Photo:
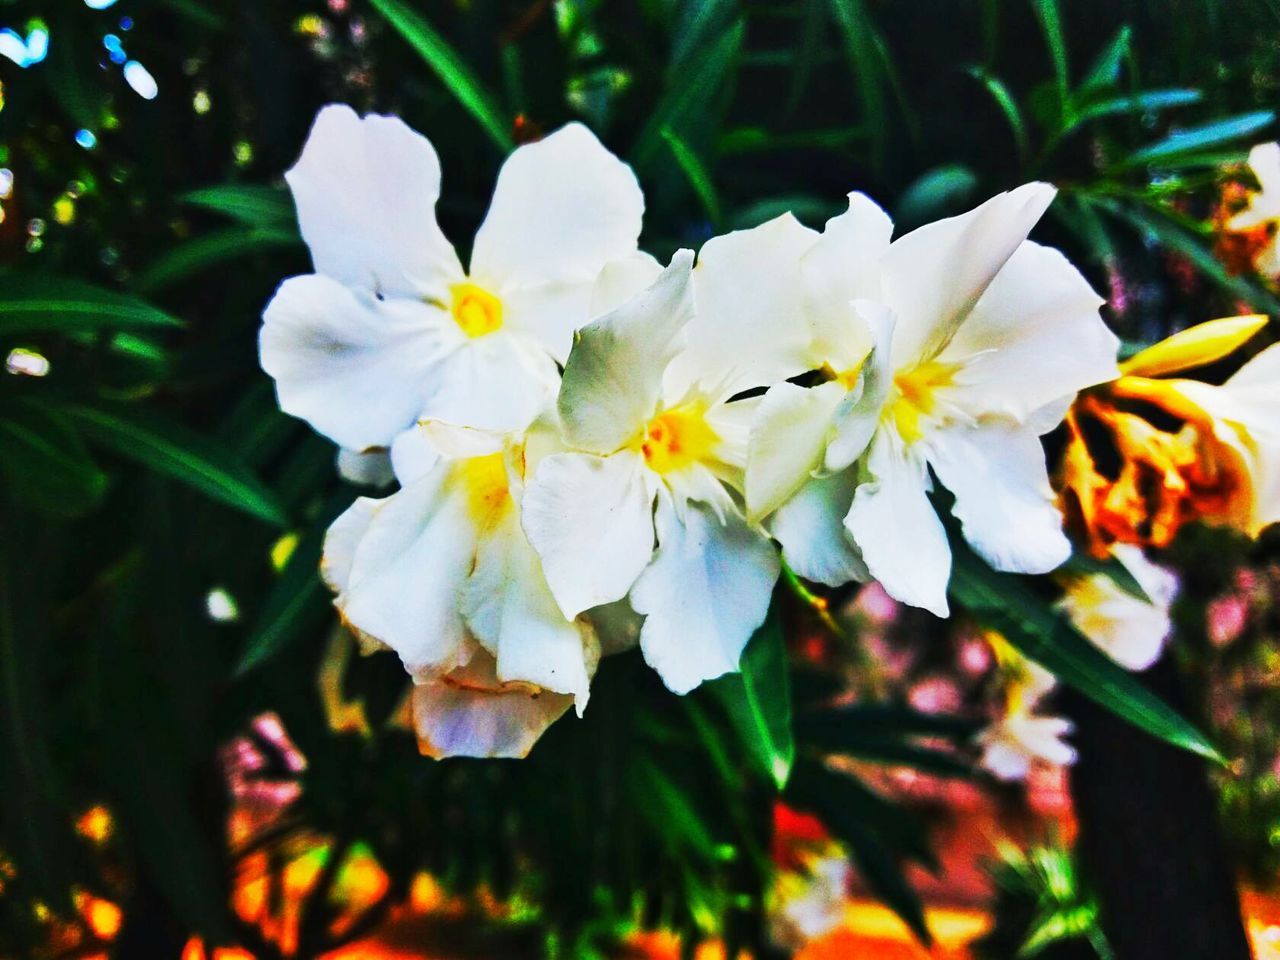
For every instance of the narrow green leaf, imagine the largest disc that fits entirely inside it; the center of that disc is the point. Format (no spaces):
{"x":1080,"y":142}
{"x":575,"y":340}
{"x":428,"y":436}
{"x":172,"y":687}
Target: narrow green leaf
{"x":862,"y":48}
{"x":758,"y":702}
{"x":670,"y":811}
{"x":1008,"y":106}
{"x":1198,"y":138}
{"x":210,"y":250}
{"x":696,"y":173}
{"x":1148,"y":101}
{"x":1050,"y":18}
{"x":450,"y":68}
{"x":254,"y":204}
{"x":1084,"y":564}
{"x":939,"y":192}
{"x":200,"y":462}
{"x":1004,"y":602}
{"x":44,"y":303}
{"x":685,"y":100}
{"x":295,"y":605}
{"x":45,"y":463}
{"x":1104,"y":74}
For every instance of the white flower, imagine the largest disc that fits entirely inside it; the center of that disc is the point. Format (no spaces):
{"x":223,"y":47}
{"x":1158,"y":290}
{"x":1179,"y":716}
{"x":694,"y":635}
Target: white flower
{"x":1021,"y":737}
{"x":949,"y":352}
{"x":1264,"y":205}
{"x":652,"y":444}
{"x":390,"y":329}
{"x":441,"y":572}
{"x":1130,"y":630}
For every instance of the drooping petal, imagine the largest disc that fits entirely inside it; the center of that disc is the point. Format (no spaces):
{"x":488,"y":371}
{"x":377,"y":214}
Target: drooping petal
{"x":357,"y":369}
{"x":1035,"y":336}
{"x":591,"y":521}
{"x":470,"y":713}
{"x":563,"y":207}
{"x":499,"y":382}
{"x":934,"y":275}
{"x":810,"y":527}
{"x":843,"y":266}
{"x":409,"y":569}
{"x":1264,"y":161}
{"x":1003,"y":499}
{"x":788,"y":442}
{"x":900,"y":537}
{"x":508,"y":606}
{"x":613,"y":381}
{"x":366,"y":192}
{"x":705,"y":593}
{"x":370,"y":468}
{"x":750,"y":328}
{"x":855,"y":421}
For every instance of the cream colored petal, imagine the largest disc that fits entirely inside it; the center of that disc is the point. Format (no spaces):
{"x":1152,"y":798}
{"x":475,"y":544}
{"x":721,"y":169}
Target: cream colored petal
{"x":369,"y":468}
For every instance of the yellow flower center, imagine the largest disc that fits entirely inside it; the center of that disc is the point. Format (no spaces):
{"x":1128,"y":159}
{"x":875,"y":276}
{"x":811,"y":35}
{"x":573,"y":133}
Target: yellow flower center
{"x":846,"y":378}
{"x":476,"y":310}
{"x":916,"y":397}
{"x":677,"y":438}
{"x":485,"y":484}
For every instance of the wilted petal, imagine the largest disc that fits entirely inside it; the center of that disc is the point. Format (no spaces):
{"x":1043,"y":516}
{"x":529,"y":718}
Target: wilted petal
{"x":590,"y":520}
{"x":470,"y":713}
{"x":902,"y":541}
{"x":705,"y":593}
{"x":1003,"y":499}
{"x":357,"y":369}
{"x":366,"y":192}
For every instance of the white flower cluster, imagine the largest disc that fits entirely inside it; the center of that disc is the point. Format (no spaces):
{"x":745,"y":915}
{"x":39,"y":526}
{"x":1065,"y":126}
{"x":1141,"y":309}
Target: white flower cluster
{"x":579,"y":433}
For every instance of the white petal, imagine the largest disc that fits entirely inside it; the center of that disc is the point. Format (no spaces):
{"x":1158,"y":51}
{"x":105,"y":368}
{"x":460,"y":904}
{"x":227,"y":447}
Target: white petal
{"x":855,"y":421}
{"x":750,"y":328}
{"x":704,"y":594}
{"x":613,"y":381}
{"x":548,"y":315}
{"x":563,"y":207}
{"x":408,"y":570}
{"x":470,"y":713}
{"x":788,"y":441}
{"x":1034,"y":337}
{"x":591,"y":521}
{"x":810,"y":527}
{"x":366,"y":192}
{"x":934,"y":275}
{"x":1003,"y":498}
{"x":357,"y":369}
{"x":341,"y":540}
{"x":622,"y":279}
{"x":902,"y":541}
{"x":510,"y":609}
{"x":1264,"y":161}
{"x":843,"y":266}
{"x":370,"y":468}
{"x":413,"y":455}
{"x":498,"y":382}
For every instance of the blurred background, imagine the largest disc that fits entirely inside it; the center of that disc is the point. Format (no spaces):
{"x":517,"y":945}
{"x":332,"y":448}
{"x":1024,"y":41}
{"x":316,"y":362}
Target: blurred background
{"x":196,"y":762}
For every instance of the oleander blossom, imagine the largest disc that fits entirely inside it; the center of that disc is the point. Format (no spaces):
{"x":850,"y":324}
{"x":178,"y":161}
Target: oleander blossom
{"x":1022,"y":735}
{"x":945,"y":353}
{"x":441,"y":573}
{"x":638,"y":505}
{"x":390,"y":329}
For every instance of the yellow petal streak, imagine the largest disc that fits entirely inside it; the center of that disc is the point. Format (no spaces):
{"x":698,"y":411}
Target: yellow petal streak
{"x":1194,"y":347}
{"x":915,"y":398}
{"x":476,"y":310}
{"x":677,"y":438}
{"x":484,"y":482}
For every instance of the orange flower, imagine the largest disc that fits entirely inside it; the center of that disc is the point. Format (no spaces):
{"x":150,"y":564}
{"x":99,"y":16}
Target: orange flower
{"x":1148,"y":453}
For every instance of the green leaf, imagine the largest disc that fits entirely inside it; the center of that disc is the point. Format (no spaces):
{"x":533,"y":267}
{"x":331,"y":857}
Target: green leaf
{"x":1050,"y":18}
{"x":685,"y":100}
{"x":758,"y":702}
{"x":451,"y":68}
{"x":939,"y":192}
{"x":1038,"y":631}
{"x":44,"y":303}
{"x":1146,"y":102}
{"x":696,"y":173}
{"x":1105,"y":72}
{"x":200,"y":462}
{"x":46,"y":464}
{"x":862,"y":49}
{"x":210,"y":250}
{"x":256,"y":205}
{"x":669,"y":811}
{"x":1084,"y":564}
{"x":1198,"y":138}
{"x":1008,"y":106}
